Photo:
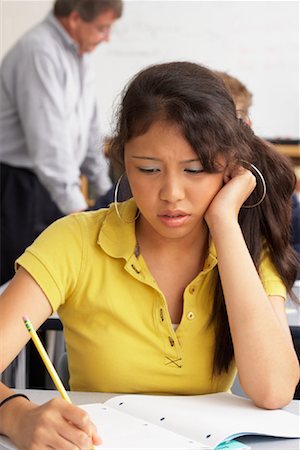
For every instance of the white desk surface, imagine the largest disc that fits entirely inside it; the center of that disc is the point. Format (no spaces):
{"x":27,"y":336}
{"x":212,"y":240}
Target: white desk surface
{"x":255,"y":442}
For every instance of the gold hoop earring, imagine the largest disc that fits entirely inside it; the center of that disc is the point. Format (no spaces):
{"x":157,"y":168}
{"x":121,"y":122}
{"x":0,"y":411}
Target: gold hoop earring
{"x":263,"y":182}
{"x":116,"y":203}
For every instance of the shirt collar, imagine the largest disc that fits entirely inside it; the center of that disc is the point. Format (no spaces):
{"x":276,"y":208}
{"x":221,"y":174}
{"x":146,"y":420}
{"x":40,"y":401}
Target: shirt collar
{"x":117,"y":237}
{"x":67,"y":40}
{"x":211,"y":260}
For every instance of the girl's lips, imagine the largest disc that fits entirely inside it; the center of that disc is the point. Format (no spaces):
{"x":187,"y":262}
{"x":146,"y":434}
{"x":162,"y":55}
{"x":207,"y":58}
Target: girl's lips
{"x":173,"y":212}
{"x":174,"y":218}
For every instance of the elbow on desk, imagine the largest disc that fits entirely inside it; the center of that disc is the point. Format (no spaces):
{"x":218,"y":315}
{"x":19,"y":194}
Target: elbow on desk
{"x":276,"y":401}
{"x":273,"y":388}
{"x":273,"y":396}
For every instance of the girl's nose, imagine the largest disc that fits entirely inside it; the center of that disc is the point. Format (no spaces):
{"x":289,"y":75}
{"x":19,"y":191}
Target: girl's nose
{"x":172,"y":189}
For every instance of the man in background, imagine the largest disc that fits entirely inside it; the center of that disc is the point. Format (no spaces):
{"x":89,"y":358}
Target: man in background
{"x":49,"y":128}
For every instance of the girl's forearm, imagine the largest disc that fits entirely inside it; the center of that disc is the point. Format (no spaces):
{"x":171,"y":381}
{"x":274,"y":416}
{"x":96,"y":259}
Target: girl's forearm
{"x":267,"y":364}
{"x":10,"y":410}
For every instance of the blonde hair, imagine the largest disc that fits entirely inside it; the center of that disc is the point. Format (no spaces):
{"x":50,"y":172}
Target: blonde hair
{"x":242,"y":97}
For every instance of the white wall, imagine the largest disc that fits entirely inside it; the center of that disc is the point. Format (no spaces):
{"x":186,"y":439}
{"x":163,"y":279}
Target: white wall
{"x":256,"y":41}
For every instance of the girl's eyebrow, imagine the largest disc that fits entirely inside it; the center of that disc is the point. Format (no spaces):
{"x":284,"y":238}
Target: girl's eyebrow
{"x":146,"y":157}
{"x":157,"y":159}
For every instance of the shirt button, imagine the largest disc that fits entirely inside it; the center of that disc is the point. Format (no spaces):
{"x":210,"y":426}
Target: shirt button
{"x":172,"y":342}
{"x":192,"y":289}
{"x":190,"y":315}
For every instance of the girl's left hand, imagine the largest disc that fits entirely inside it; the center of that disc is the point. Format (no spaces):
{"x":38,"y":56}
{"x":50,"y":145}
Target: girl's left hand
{"x":239,"y":183}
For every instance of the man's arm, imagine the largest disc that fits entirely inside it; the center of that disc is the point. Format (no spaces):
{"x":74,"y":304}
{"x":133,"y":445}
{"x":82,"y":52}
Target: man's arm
{"x":41,"y":105}
{"x":96,"y":165}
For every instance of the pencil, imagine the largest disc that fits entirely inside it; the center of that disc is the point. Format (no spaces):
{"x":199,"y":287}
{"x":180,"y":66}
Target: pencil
{"x":43,"y":354}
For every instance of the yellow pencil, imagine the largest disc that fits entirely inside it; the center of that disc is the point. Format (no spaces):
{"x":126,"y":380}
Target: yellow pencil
{"x":43,"y":354}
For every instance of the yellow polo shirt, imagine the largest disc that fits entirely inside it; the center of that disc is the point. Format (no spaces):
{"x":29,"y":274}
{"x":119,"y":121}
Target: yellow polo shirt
{"x":118,"y":332}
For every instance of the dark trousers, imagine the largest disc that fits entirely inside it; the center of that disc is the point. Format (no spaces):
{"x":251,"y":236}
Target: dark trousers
{"x":26,"y":210}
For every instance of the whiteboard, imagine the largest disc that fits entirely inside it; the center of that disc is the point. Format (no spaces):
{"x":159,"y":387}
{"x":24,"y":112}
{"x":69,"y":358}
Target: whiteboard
{"x":255,"y":41}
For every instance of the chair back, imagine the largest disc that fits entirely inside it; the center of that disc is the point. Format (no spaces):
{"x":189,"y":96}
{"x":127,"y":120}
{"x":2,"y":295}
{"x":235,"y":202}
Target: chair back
{"x":63,"y":370}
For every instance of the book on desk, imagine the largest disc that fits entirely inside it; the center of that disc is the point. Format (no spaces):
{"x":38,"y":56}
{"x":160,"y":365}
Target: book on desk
{"x":183,"y":422}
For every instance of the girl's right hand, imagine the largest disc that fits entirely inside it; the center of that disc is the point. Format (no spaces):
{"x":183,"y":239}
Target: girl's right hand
{"x":57,"y":425}
{"x":239,"y":183}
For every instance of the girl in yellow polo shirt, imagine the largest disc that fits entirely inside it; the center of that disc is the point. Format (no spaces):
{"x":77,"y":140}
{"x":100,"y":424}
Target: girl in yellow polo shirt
{"x":177,"y":288}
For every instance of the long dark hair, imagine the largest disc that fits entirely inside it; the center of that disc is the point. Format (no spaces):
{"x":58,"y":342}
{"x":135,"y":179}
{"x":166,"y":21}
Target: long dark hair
{"x":196,"y":99}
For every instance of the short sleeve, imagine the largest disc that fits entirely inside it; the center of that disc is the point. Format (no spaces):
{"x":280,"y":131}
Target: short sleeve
{"x":270,"y":278}
{"x":54,"y":259}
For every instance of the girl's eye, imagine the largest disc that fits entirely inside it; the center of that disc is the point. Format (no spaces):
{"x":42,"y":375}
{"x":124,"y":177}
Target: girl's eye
{"x":194,"y":171}
{"x":149,"y":169}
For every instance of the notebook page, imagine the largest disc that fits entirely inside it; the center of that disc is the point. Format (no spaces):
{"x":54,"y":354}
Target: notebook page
{"x":209,"y":419}
{"x":119,"y":430}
